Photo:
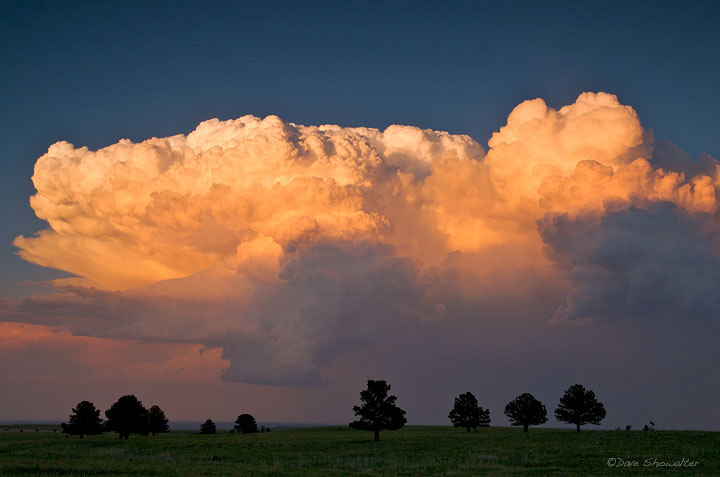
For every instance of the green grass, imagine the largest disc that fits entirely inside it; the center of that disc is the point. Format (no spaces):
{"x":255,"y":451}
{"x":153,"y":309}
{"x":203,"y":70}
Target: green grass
{"x":342,"y":451}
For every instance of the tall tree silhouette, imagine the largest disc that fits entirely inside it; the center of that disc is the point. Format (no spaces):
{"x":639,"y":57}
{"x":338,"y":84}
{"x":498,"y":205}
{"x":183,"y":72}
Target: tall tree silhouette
{"x":208,"y":427}
{"x":127,"y":416}
{"x":579,"y":406}
{"x":378,"y":411}
{"x":245,"y":424}
{"x":84,"y":420}
{"x":526,"y":411}
{"x":466,"y":413}
{"x":157,"y":422}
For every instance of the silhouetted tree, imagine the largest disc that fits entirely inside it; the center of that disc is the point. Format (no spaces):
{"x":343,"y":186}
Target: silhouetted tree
{"x":245,"y":424}
{"x":378,"y":411}
{"x":157,"y":422}
{"x":208,"y":427}
{"x":578,"y":406}
{"x":526,"y":411}
{"x":466,"y":413}
{"x":85,"y":420}
{"x":127,"y":416}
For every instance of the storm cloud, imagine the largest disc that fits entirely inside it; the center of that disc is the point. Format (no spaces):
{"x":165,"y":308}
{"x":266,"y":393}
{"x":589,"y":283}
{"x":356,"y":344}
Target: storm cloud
{"x":291,"y":246}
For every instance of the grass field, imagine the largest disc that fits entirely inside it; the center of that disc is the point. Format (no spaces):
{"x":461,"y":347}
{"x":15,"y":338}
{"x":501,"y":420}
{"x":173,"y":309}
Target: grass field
{"x":342,"y":451}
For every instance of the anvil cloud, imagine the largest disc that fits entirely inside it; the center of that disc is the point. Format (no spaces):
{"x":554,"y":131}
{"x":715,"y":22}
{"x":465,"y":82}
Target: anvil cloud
{"x":288,"y":246}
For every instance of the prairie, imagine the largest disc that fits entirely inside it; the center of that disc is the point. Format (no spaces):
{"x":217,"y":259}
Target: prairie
{"x":413,"y":450}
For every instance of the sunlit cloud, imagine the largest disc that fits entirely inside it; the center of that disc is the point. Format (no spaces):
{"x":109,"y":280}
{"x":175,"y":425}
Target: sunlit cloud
{"x":287,"y":246}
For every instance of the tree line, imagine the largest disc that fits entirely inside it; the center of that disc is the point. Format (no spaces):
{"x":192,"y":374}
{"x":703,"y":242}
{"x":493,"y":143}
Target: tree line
{"x":378,"y":412}
{"x":244,"y":424}
{"x":128,"y":416}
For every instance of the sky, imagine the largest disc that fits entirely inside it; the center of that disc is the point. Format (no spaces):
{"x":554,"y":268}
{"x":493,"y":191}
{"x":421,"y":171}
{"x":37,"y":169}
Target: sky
{"x":237,"y":207}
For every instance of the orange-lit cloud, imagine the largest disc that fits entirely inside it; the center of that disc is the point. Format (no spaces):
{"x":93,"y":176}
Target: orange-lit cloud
{"x":121,"y":359}
{"x":289,"y":245}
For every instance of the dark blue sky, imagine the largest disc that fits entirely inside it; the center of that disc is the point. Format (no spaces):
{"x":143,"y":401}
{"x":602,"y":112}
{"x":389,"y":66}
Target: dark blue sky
{"x":94,"y":72}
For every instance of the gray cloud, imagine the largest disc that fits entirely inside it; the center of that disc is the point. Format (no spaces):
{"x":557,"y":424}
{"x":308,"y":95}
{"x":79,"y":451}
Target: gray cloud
{"x":634,"y":263}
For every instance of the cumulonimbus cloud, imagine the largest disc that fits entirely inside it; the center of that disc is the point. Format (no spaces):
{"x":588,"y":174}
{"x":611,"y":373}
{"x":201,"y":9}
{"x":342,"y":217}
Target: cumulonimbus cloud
{"x":286,"y":244}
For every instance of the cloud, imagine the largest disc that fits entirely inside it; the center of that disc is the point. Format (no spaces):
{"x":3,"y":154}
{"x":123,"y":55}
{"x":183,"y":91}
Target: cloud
{"x":539,"y":142}
{"x":291,"y":246}
{"x":327,"y":299}
{"x":132,"y":214}
{"x":635,"y":263}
